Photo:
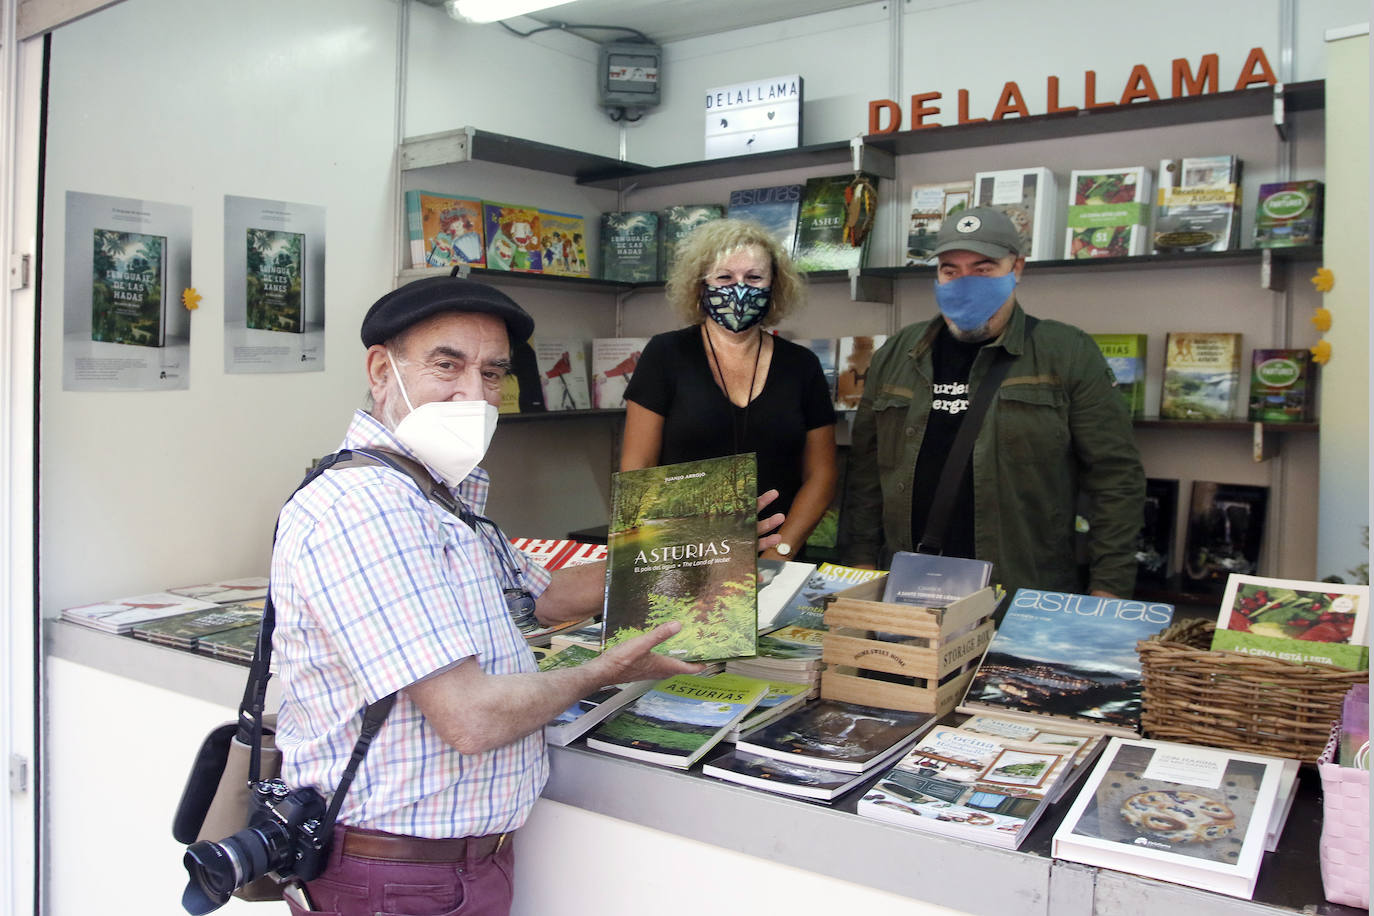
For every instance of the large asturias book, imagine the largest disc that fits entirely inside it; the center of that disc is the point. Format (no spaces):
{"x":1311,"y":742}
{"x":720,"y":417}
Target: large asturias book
{"x":588,"y":712}
{"x":1191,"y":815}
{"x":128,"y":295}
{"x":1028,"y":197}
{"x":184,"y":630}
{"x":513,"y":241}
{"x":629,"y":246}
{"x":840,"y":736}
{"x":614,"y":360}
{"x":807,"y":607}
{"x":1058,"y":654}
{"x":822,"y":242}
{"x":562,"y":363}
{"x":931,"y":205}
{"x":1198,"y":204}
{"x":276,"y":280}
{"x":225,"y":591}
{"x":1201,"y":375}
{"x":674,"y":225}
{"x":563,"y":244}
{"x":1282,"y":386}
{"x":679,"y":719}
{"x":123,"y":614}
{"x":1125,"y":355}
{"x":773,"y":208}
{"x":683,"y":542}
{"x":445,"y":230}
{"x":1109,"y":213}
{"x":928,"y":580}
{"x":980,"y":787}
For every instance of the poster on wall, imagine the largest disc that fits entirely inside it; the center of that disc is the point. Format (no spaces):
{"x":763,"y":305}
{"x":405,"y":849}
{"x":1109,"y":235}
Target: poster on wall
{"x":273,"y":286}
{"x":754,"y":117}
{"x":124,"y":327}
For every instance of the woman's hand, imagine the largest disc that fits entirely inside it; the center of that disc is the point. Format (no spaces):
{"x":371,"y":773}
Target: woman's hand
{"x":767,"y":540}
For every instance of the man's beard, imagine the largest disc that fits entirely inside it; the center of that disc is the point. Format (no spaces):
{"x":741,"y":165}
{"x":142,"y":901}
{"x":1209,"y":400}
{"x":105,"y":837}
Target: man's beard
{"x":977,"y":335}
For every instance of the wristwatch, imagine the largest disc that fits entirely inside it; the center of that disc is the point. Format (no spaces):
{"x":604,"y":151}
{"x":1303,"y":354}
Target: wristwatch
{"x":784,"y":549}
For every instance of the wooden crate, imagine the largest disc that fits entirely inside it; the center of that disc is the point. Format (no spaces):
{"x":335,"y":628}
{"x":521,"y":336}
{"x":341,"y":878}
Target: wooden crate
{"x":933,"y":652}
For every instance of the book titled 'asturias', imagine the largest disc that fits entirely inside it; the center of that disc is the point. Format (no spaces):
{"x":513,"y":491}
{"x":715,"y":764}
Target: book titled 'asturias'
{"x":682,"y":546}
{"x":1059,"y":654}
{"x":1125,"y":355}
{"x":679,"y":719}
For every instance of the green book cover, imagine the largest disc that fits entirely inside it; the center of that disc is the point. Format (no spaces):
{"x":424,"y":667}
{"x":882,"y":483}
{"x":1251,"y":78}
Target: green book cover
{"x":567,"y":657}
{"x":275,"y":277}
{"x":683,"y":546}
{"x":674,"y":225}
{"x":128,"y":273}
{"x":238,"y":643}
{"x":1289,"y":214}
{"x":821,"y":240}
{"x":185,"y":629}
{"x":629,"y":246}
{"x":1125,"y":354}
{"x":1201,"y":376}
{"x":1303,"y":651}
{"x":1282,"y":386}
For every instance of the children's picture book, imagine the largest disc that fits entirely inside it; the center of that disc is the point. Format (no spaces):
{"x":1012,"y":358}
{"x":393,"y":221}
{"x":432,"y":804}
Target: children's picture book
{"x":1028,"y":197}
{"x":275,"y":280}
{"x":1154,"y":545}
{"x":778,"y":581}
{"x":614,"y":360}
{"x":563,"y":244}
{"x":1198,"y":204}
{"x":683,"y":546}
{"x":679,"y":719}
{"x":980,"y":787}
{"x":513,"y":237}
{"x":1298,"y":609}
{"x":1061,"y":655}
{"x":629,"y":246}
{"x":1289,"y":214}
{"x":825,"y":225}
{"x":780,"y":776}
{"x":225,"y":591}
{"x":854,"y":355}
{"x":1201,"y":375}
{"x":1109,"y":213}
{"x":445,"y":230}
{"x":674,"y":225}
{"x":1225,"y":531}
{"x":121,"y":615}
{"x":562,"y":363}
{"x":774,"y":208}
{"x":782,"y":697}
{"x":929,"y":580}
{"x":586,"y":713}
{"x":931,"y":205}
{"x":128,"y":298}
{"x":837,"y":736}
{"x":1125,"y":355}
{"x":1191,"y":815}
{"x":183,"y":631}
{"x":807,"y":607}
{"x":1282,"y":386}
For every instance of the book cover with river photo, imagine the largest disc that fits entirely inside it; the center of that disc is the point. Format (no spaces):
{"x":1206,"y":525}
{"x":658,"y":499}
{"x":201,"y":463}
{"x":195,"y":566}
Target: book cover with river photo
{"x":683,"y":546}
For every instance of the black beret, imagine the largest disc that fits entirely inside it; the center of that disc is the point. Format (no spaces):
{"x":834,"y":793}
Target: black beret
{"x":419,"y":299}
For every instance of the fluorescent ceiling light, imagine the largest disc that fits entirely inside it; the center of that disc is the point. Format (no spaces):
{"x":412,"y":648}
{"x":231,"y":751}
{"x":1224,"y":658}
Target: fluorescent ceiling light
{"x":494,"y":10}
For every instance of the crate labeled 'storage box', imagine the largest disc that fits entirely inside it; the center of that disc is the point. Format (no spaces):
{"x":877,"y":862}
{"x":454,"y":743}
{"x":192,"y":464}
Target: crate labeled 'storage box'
{"x":899,"y":656}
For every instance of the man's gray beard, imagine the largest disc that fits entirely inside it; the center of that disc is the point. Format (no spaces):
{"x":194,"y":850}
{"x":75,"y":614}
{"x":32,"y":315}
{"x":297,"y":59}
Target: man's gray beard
{"x":977,"y":335}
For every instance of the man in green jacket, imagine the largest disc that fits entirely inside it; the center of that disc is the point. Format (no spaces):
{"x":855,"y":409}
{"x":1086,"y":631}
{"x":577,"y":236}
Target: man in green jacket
{"x":1056,"y":439}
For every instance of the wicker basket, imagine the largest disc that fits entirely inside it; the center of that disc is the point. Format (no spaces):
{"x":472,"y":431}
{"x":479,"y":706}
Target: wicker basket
{"x":1235,"y":701}
{"x":1345,"y":829}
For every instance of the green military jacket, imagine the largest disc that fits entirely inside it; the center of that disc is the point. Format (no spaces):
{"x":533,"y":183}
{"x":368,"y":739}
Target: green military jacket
{"x":1056,"y":440}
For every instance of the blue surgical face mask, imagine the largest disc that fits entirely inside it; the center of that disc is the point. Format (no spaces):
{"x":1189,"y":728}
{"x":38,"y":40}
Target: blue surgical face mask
{"x":738,"y":307}
{"x":970,"y":301}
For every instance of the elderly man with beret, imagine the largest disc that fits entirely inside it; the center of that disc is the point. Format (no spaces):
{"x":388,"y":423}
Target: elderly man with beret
{"x":380,"y":590}
{"x":1056,"y":438}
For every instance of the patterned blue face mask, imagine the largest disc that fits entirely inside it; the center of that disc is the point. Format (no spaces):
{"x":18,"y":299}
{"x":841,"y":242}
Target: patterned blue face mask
{"x":736,"y":308}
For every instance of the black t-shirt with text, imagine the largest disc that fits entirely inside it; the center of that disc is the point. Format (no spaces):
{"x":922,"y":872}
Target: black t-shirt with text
{"x":952,"y":361}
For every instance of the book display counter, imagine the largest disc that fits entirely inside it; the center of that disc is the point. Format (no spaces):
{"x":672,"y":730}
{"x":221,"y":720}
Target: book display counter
{"x":773,"y":835}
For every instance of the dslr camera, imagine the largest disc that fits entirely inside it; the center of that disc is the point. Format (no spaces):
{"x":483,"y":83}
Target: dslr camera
{"x":284,"y":838}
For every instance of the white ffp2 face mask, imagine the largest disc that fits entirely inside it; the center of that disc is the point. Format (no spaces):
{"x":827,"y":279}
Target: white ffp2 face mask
{"x":450,"y":436}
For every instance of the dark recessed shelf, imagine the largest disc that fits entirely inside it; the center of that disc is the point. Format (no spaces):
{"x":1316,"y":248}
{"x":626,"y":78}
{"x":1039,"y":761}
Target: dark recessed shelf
{"x":1239,"y":426}
{"x":535,"y":416}
{"x":626,"y":174}
{"x":1175,"y":591}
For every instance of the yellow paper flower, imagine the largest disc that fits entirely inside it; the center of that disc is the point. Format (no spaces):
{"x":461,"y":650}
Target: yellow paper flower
{"x":1323,"y":279}
{"x":1321,"y":352}
{"x":1321,"y":319}
{"x":190,"y":298}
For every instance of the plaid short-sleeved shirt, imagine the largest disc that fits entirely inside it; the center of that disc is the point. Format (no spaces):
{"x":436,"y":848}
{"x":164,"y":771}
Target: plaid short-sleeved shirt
{"x":376,"y":587}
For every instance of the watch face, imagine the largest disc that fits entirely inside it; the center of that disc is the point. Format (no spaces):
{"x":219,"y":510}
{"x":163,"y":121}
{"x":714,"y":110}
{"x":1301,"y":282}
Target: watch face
{"x":784,"y":550}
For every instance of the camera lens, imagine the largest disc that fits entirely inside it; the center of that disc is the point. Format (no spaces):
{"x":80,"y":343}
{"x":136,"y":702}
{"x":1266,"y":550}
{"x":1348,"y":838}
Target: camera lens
{"x":216,"y":870}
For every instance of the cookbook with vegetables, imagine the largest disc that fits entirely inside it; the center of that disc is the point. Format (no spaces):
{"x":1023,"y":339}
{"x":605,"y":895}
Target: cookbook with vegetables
{"x":1109,"y":213}
{"x":1325,"y":622}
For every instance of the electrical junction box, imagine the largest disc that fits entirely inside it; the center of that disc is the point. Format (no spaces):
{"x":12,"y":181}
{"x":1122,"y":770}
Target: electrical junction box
{"x":629,"y":75}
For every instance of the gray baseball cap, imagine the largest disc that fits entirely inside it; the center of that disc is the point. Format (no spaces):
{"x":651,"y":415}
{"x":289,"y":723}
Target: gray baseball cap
{"x":985,"y":230}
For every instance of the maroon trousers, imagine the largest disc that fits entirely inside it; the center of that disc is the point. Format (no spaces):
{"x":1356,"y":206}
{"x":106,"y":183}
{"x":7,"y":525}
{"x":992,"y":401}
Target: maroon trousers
{"x":477,"y":883}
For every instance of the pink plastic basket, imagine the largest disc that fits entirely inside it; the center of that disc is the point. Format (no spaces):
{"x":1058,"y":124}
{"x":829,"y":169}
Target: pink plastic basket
{"x":1345,"y":828}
